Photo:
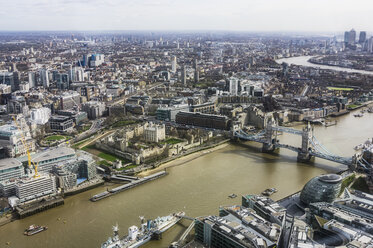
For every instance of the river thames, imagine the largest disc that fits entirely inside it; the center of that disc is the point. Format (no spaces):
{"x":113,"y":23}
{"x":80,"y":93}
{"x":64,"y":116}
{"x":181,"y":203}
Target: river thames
{"x":303,"y":61}
{"x":198,"y":187}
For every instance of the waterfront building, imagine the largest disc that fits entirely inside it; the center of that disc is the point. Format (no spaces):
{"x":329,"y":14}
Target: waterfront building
{"x":8,"y":188}
{"x":228,"y":231}
{"x":11,"y":168}
{"x":48,"y":158}
{"x":69,"y":170}
{"x":35,"y":187}
{"x":154,"y":132}
{"x":251,"y":219}
{"x":324,"y":188}
{"x":265,"y":207}
{"x":65,"y":179}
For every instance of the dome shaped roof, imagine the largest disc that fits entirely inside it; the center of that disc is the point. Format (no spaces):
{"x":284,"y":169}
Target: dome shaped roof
{"x":324,"y":188}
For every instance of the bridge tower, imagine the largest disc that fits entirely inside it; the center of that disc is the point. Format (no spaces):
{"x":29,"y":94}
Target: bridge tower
{"x":304,"y":154}
{"x":270,"y":138}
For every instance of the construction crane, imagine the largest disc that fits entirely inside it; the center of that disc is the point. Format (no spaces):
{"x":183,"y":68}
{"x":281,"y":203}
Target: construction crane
{"x":30,"y":162}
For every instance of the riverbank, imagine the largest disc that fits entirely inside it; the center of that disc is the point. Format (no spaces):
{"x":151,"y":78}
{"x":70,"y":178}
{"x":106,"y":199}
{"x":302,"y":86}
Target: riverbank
{"x":185,"y":158}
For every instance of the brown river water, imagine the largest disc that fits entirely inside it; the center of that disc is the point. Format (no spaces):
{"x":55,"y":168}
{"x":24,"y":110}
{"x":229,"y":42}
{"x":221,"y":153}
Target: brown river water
{"x":198,"y":187}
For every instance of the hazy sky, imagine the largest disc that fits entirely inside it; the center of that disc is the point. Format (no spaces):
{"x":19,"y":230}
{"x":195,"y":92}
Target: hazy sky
{"x":248,"y":15}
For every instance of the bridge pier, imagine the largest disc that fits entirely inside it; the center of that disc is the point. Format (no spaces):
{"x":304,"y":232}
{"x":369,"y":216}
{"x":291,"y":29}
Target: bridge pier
{"x":304,"y":157}
{"x":268,"y":147}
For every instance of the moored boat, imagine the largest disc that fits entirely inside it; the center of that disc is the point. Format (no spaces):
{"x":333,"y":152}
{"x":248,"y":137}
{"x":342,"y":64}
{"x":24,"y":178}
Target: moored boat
{"x":137,"y":237}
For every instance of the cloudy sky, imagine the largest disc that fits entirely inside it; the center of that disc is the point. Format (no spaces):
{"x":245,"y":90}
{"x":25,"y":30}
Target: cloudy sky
{"x":237,"y":15}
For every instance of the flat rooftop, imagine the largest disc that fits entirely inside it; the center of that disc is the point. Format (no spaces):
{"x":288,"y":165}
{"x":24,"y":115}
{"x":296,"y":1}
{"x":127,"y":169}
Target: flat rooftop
{"x":8,"y":163}
{"x":52,"y":154}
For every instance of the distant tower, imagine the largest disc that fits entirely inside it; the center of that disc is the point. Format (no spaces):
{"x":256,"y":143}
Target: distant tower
{"x":370,"y":45}
{"x":184,"y":75}
{"x":347,"y":35}
{"x":196,"y":76}
{"x":233,"y":86}
{"x":44,"y":78}
{"x":14,"y":67}
{"x":362,"y":37}
{"x":196,"y":71}
{"x":32,"y":79}
{"x":173,"y":64}
{"x":350,"y":37}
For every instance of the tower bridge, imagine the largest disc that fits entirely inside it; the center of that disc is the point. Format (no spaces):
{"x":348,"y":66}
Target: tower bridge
{"x":310,"y":146}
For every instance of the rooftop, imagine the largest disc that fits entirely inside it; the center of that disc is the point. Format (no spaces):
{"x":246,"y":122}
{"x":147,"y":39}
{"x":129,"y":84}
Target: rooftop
{"x":8,"y":163}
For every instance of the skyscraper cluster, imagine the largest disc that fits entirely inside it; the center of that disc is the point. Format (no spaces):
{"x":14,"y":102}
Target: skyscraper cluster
{"x":350,"y":40}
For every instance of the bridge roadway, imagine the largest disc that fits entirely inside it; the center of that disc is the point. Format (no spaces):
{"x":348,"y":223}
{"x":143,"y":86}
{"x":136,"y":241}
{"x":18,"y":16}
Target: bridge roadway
{"x":316,"y":150}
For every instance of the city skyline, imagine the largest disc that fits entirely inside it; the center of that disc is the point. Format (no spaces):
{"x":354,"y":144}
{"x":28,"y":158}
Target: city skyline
{"x":237,"y":15}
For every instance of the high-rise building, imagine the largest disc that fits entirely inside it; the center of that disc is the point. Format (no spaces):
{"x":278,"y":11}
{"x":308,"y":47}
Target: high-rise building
{"x":8,"y":79}
{"x":350,"y":37}
{"x":362,"y":37}
{"x":31,"y":188}
{"x":196,"y":71}
{"x":62,"y":81}
{"x":14,"y":67}
{"x":173,"y":64}
{"x":32,"y":79}
{"x":346,"y":37}
{"x":184,"y":75}
{"x":196,"y":76}
{"x":96,"y":60}
{"x":370,"y":45}
{"x":233,"y":86}
{"x":44,"y":76}
{"x":16,"y":77}
{"x":40,"y":115}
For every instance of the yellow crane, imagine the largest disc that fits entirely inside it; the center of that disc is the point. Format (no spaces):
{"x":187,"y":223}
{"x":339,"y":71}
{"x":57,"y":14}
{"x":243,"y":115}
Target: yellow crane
{"x":35,"y":165}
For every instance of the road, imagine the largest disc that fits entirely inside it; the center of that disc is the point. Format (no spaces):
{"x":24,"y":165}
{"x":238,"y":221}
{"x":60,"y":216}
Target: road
{"x":95,"y":127}
{"x":122,"y":100}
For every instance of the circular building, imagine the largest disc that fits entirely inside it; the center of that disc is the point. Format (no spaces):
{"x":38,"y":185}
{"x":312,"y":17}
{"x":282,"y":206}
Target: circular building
{"x":324,"y":188}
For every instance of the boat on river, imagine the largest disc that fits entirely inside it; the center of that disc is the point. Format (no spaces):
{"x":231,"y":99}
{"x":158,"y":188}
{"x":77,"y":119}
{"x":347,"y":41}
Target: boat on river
{"x":269,"y":192}
{"x":34,"y":229}
{"x":139,"y":236}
